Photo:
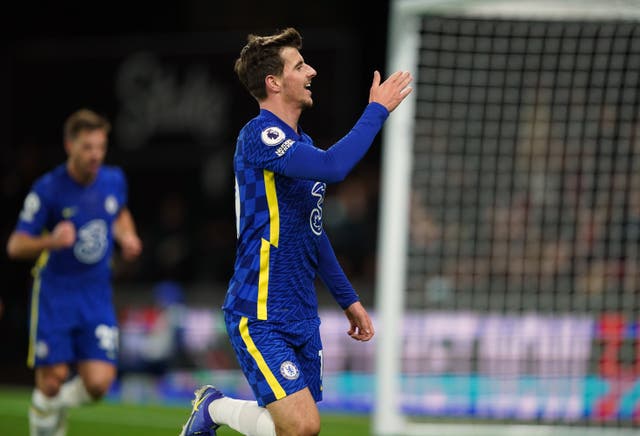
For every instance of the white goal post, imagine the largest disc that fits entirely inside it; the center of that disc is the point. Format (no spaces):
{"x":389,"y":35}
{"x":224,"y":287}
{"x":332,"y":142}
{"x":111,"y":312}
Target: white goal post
{"x":404,"y":42}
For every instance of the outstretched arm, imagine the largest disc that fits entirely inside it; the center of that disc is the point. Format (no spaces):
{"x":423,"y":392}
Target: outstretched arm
{"x":333,"y":165}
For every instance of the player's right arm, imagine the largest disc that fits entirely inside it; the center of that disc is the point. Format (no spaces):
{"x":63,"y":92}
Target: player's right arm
{"x":29,"y":238}
{"x":22,"y":245}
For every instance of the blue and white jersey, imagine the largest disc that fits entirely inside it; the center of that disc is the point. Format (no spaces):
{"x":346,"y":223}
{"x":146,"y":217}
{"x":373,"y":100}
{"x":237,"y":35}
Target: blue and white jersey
{"x":279,"y":223}
{"x":92,"y":209}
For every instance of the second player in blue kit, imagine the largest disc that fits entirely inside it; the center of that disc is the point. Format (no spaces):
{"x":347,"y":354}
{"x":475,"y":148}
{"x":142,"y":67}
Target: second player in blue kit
{"x":70,"y":221}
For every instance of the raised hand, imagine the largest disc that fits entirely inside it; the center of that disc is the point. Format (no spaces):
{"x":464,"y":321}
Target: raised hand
{"x":392,"y":91}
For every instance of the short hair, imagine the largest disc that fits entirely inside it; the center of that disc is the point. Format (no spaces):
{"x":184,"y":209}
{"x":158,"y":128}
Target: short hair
{"x":84,"y":119}
{"x":260,"y":57}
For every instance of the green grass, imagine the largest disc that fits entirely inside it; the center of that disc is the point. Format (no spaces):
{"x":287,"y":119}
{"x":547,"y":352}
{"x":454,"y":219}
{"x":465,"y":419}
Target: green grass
{"x":117,"y":419}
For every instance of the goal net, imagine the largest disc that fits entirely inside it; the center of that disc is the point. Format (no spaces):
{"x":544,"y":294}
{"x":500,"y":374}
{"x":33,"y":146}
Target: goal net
{"x":508,"y":288}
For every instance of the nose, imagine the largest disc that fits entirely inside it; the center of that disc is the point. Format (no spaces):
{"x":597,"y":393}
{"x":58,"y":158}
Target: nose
{"x":312,"y":72}
{"x":97,"y":154}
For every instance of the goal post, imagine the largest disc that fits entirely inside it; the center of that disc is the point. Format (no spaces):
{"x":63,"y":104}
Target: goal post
{"x":396,"y":172}
{"x":506,"y":290}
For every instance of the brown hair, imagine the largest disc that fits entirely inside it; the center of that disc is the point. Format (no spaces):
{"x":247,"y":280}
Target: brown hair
{"x":84,"y":119}
{"x":260,"y":57}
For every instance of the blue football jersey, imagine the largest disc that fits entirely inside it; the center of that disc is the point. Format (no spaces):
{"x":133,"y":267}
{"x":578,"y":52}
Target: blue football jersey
{"x":279,"y":224}
{"x":92,"y":209}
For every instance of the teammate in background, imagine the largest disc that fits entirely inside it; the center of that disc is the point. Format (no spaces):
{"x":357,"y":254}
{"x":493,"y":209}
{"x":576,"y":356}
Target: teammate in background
{"x":69,"y":222}
{"x":271,"y":309}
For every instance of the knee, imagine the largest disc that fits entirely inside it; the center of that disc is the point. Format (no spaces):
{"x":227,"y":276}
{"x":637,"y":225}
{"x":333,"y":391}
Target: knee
{"x":301,"y":428}
{"x":49,"y":386}
{"x":97,"y":387}
{"x":97,"y":378}
{"x":312,"y":429}
{"x":50,"y":380}
{"x":312,"y":425}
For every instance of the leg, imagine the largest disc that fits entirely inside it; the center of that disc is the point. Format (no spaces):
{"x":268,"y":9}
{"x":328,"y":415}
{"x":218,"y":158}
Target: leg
{"x":46,"y":414}
{"x":212,"y":409}
{"x":97,"y":377}
{"x":283,"y":364}
{"x":91,"y":384}
{"x":53,"y":395}
{"x":50,"y":378}
{"x":296,"y":415}
{"x":96,"y":345}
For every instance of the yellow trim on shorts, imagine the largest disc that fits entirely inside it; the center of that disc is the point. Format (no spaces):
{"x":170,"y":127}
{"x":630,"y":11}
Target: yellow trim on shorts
{"x":33,"y":322}
{"x":257,"y":356}
{"x":41,"y":262}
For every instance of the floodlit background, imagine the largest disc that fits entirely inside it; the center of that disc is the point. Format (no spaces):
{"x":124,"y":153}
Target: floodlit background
{"x":163,"y":74}
{"x":520,"y":298}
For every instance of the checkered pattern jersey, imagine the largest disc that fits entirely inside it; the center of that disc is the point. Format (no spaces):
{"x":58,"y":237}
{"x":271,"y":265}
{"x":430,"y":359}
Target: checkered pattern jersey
{"x":279,"y":221}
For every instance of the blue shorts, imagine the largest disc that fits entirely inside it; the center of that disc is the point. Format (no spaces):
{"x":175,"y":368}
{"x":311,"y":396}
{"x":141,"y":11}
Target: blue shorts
{"x":278,"y":358}
{"x":70,"y":323}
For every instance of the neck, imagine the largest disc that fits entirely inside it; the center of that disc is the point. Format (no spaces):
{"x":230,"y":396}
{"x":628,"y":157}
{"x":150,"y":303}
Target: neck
{"x":82,"y":179}
{"x":286,"y":113}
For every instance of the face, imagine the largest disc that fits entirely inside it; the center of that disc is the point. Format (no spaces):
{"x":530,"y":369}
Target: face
{"x":296,"y":78}
{"x":86,"y":153}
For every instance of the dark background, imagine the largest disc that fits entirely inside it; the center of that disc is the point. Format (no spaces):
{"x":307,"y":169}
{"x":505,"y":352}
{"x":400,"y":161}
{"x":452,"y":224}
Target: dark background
{"x":163,"y":74}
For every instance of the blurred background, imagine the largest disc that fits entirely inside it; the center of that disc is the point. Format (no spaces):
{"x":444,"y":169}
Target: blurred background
{"x":163,"y":74}
{"x":522,"y":274}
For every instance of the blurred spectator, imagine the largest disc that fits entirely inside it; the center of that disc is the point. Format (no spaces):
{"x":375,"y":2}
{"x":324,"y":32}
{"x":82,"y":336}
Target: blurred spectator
{"x":153,"y":337}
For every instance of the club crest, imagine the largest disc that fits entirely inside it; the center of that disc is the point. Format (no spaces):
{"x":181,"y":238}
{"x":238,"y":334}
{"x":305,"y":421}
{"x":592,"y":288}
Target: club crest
{"x":289,"y":370}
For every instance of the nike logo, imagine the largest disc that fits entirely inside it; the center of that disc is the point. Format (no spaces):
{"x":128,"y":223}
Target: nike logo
{"x":196,"y":405}
{"x":68,"y":212}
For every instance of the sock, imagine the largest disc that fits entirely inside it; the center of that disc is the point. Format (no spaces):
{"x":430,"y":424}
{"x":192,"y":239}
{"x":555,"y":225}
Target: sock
{"x":46,"y":415}
{"x":45,"y":404}
{"x":245,"y":417}
{"x":73,"y":393}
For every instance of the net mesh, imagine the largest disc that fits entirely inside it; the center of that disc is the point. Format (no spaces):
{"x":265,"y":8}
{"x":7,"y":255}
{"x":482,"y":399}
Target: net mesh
{"x":525,"y":221}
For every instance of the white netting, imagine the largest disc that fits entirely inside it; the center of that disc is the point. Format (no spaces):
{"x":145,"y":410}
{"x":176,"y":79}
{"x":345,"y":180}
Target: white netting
{"x":523,"y":275}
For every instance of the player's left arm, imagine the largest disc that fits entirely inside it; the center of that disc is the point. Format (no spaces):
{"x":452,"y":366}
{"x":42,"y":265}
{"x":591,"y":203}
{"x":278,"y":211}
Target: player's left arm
{"x":126,"y":235}
{"x":305,"y":161}
{"x":361,"y":326}
{"x":331,"y":273}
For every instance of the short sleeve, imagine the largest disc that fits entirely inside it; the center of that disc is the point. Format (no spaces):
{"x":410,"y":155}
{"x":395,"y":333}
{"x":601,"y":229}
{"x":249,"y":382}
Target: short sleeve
{"x":267,"y":145}
{"x":35,"y":210}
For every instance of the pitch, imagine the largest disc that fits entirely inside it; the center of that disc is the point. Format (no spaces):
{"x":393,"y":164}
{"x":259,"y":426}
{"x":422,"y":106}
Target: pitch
{"x":109,"y":418}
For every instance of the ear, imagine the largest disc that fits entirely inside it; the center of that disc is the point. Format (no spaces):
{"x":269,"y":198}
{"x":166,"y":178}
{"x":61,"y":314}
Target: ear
{"x":272,"y":83}
{"x":67,"y":146}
